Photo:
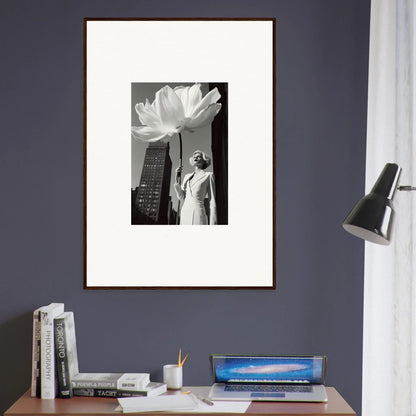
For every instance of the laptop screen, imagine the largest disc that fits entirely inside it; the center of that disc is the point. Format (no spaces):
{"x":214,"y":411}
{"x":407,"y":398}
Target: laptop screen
{"x":269,"y":369}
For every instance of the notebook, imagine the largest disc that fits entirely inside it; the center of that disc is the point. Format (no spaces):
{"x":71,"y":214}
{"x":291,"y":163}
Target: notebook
{"x":268,"y":378}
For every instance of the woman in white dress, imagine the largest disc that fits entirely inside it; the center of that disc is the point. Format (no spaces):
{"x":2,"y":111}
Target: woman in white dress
{"x":195,"y":188}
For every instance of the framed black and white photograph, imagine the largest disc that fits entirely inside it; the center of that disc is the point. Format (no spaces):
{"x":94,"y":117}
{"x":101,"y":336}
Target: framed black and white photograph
{"x":179,"y":153}
{"x":181,"y":137}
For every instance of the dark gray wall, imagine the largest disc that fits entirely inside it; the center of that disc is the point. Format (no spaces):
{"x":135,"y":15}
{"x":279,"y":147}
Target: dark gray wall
{"x":322,"y":58}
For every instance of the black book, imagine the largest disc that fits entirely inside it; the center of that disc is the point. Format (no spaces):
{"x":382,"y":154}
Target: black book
{"x":66,"y":356}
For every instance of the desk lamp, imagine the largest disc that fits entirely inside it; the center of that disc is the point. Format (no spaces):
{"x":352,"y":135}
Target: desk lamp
{"x":372,"y":217}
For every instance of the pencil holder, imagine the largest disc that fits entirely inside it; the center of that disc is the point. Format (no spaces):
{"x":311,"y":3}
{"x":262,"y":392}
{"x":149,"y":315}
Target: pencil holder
{"x":172,"y":376}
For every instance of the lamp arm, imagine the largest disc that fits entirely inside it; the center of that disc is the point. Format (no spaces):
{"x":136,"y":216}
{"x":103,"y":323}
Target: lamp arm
{"x":406,"y":188}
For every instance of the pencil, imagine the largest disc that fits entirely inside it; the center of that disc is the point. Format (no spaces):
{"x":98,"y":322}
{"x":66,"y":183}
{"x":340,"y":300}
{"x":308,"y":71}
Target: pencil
{"x":183,"y":361}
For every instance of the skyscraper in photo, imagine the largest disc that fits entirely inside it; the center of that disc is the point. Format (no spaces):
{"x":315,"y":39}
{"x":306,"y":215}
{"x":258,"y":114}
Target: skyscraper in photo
{"x":220,"y":153}
{"x":151,"y":198}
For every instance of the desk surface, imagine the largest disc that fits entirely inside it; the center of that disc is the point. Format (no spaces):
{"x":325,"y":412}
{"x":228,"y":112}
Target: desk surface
{"x":91,"y":406}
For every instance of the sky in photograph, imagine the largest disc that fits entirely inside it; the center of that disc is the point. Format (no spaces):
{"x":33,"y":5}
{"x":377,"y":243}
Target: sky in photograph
{"x":200,"y":139}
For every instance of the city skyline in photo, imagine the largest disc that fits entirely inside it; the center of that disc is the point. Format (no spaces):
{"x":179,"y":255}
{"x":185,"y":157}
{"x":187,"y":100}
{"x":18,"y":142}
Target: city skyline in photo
{"x":200,"y":139}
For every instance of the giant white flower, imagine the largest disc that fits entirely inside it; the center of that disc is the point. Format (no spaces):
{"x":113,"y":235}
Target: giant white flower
{"x":175,"y":110}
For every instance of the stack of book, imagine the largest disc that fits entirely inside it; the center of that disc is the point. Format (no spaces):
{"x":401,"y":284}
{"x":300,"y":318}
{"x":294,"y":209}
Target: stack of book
{"x":55,"y":371}
{"x":114,"y":385}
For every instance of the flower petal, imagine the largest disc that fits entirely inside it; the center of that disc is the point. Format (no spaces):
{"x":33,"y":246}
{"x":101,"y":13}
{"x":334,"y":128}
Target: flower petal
{"x":147,"y":134}
{"x":190,"y":97}
{"x":206,"y":116}
{"x":212,"y":97}
{"x":169,"y":108}
{"x":148,"y":115}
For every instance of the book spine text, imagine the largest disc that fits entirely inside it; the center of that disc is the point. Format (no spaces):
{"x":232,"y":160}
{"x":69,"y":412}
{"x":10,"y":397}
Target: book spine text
{"x":106,"y":392}
{"x":78,"y":384}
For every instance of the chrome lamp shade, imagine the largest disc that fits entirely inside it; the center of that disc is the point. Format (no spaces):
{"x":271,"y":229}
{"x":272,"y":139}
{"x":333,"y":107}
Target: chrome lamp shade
{"x":371,"y":218}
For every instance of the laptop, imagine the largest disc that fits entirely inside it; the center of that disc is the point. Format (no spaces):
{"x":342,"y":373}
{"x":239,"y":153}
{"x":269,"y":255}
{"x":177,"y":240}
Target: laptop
{"x":292,"y":378}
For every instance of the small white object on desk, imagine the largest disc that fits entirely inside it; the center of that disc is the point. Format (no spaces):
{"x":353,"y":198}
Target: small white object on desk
{"x":172,"y":376}
{"x":185,"y":403}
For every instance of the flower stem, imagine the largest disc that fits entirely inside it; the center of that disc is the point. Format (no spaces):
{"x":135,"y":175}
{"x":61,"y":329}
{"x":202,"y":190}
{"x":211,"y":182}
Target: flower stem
{"x":180,"y":149}
{"x":178,"y":176}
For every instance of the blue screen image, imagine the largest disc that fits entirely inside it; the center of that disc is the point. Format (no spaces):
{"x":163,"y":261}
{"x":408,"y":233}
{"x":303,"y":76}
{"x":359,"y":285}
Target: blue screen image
{"x":305,"y":370}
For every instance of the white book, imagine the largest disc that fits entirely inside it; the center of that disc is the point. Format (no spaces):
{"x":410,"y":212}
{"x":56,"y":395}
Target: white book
{"x":133,"y":381}
{"x":122,"y":381}
{"x":47,"y":349}
{"x":173,"y":402}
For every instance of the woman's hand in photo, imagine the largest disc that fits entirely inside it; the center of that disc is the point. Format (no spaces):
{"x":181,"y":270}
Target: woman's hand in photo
{"x":178,"y":173}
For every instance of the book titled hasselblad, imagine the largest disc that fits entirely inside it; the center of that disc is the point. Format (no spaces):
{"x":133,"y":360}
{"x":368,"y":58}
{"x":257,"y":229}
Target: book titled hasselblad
{"x":121,"y":381}
{"x":66,"y":356}
{"x":35,"y":385}
{"x":47,"y":350}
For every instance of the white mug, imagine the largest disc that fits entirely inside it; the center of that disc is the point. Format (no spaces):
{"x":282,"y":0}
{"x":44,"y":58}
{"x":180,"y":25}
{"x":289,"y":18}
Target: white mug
{"x":172,"y":376}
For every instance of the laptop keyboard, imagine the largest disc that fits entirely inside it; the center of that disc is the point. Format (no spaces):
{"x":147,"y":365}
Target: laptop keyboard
{"x":269,"y":388}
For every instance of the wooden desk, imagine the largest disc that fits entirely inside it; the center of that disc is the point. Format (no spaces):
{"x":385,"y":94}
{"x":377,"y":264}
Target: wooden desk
{"x":91,"y":406}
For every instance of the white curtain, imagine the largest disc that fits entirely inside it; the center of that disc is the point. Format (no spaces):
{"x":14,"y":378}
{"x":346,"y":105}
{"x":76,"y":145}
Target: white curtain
{"x":389,"y":346}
